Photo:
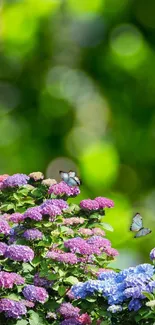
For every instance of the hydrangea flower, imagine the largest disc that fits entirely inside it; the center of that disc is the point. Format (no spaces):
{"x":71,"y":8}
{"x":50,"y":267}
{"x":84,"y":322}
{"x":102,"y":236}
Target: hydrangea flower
{"x":114,"y":308}
{"x":63,"y":257}
{"x":7,"y":280}
{"x":85,"y":231}
{"x":80,"y":246}
{"x":34,"y":293}
{"x":98,"y":232}
{"x":89,"y":205}
{"x":60,"y":203}
{"x":16,"y":217}
{"x":71,"y":321}
{"x":12,"y":308}
{"x":3,"y":177}
{"x":67,"y":310}
{"x":49,"y":182}
{"x":16,"y":180}
{"x":62,"y":188}
{"x":110,"y":251}
{"x":32,"y":234}
{"x":19,"y":253}
{"x":33,"y":213}
{"x":85,"y":319}
{"x":99,"y":242}
{"x":73,"y":221}
{"x":51,"y":209}
{"x":134,"y":304}
{"x":3,"y":248}
{"x":104,"y":202}
{"x":4,"y":227}
{"x":152,"y":254}
{"x":42,"y":282}
{"x":36,"y":176}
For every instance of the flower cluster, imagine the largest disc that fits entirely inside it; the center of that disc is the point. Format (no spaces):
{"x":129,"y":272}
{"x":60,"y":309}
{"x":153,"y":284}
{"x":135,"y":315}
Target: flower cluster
{"x":72,"y":315}
{"x":96,"y":204}
{"x":117,"y":288}
{"x":3,"y":248}
{"x":42,"y":282}
{"x":32,"y":234}
{"x":15,"y":180}
{"x":61,"y":256}
{"x":34,"y":293}
{"x":7,"y":280}
{"x":19,"y":253}
{"x":4,"y":226}
{"x":73,"y":221}
{"x":62,"y":188}
{"x":33,"y":213}
{"x":12,"y":308}
{"x":16,"y":217}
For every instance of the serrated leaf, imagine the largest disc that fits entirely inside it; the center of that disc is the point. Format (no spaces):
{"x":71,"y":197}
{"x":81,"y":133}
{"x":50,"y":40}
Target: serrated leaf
{"x":71,"y":280}
{"x":36,"y":319}
{"x":106,"y":226}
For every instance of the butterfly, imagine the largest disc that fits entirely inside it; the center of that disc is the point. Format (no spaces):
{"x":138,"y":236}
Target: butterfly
{"x":70,"y":178}
{"x":137,"y":226}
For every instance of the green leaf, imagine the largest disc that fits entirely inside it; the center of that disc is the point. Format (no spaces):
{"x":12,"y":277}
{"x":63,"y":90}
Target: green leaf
{"x":91,"y":299}
{"x":27,"y":267}
{"x":36,"y":319}
{"x":148,"y":295}
{"x":61,"y":290}
{"x":53,"y":276}
{"x":36,"y":261}
{"x":71,"y":280}
{"x":22,"y":322}
{"x":13,"y":296}
{"x":106,"y":226}
{"x":48,"y":224}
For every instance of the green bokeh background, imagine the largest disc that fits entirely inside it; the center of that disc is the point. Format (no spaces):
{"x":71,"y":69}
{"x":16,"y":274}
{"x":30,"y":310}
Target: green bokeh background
{"x":77,"y":91}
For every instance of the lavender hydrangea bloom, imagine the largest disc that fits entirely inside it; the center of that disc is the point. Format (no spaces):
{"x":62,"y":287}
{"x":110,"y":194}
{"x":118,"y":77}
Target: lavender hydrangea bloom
{"x":42,"y":282}
{"x":89,"y":205}
{"x":63,"y":257}
{"x":60,"y":203}
{"x":67,"y":310}
{"x":33,"y":213}
{"x":80,"y":246}
{"x":52,"y":210}
{"x":134,"y":304}
{"x":71,"y":321}
{"x":33,"y":234}
{"x":16,"y":217}
{"x":3,"y":248}
{"x":12,"y":308}
{"x":7,"y":280}
{"x":152,"y":254}
{"x":19,"y":253}
{"x":16,"y":180}
{"x":34,"y":293}
{"x":63,"y":189}
{"x":4,"y":227}
{"x":99,"y":241}
{"x":104,"y":202}
{"x":114,"y":308}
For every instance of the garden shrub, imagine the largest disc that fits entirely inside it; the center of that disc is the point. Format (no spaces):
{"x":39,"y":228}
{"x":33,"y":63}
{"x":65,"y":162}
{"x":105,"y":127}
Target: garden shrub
{"x":54,"y":259}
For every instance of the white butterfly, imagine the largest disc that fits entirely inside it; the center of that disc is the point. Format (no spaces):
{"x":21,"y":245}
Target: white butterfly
{"x":70,"y":178}
{"x":137,"y":226}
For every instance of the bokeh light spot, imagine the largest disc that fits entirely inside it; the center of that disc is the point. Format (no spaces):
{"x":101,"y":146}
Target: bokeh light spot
{"x":100,"y":164}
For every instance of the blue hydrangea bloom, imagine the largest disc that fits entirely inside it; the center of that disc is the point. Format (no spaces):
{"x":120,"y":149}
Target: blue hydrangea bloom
{"x":134,"y":304}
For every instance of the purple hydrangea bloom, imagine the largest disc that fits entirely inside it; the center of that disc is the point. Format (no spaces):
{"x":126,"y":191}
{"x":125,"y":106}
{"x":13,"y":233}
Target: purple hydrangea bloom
{"x":114,"y":308}
{"x":3,"y":248}
{"x":7,"y":280}
{"x":42,"y":282}
{"x":28,"y":303}
{"x":67,"y":310}
{"x":32,"y":234}
{"x":134,"y":304}
{"x":71,"y":321}
{"x":152,"y":254}
{"x":63,"y":189}
{"x":104,"y":202}
{"x":69,"y":258}
{"x":12,"y":308}
{"x":4,"y":227}
{"x":34,"y":293}
{"x":89,"y":205}
{"x":16,"y":180}
{"x":16,"y":217}
{"x":19,"y":253}
{"x":60,"y":203}
{"x":33,"y":213}
{"x":110,"y":251}
{"x":51,"y":209}
{"x":99,"y":241}
{"x":80,"y":246}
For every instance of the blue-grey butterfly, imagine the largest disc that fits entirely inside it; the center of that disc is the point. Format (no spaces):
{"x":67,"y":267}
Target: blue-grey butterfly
{"x":70,"y":178}
{"x":137,"y":226}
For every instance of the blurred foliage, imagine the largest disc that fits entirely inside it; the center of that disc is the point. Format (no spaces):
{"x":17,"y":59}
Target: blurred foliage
{"x":77,"y":84}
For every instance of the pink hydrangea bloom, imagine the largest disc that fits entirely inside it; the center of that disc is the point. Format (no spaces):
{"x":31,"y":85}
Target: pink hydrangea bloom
{"x":89,"y":205}
{"x":104,"y":202}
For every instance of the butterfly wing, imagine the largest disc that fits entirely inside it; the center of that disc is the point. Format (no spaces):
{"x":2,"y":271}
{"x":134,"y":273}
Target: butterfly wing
{"x":64,"y":176}
{"x":72,"y":181}
{"x":137,"y":223}
{"x":71,"y":174}
{"x":143,"y":232}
